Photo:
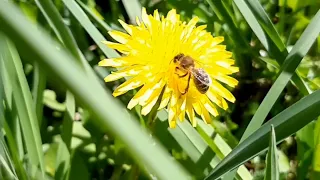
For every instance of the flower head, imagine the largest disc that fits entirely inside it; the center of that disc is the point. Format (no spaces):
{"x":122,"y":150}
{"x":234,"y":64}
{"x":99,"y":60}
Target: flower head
{"x":180,"y":61}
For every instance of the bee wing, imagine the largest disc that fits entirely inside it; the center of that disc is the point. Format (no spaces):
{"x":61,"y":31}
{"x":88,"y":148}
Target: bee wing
{"x":201,"y":76}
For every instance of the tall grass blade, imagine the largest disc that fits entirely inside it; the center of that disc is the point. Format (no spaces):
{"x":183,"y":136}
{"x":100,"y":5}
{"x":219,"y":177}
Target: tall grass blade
{"x":23,"y":101}
{"x":38,"y":86}
{"x":5,"y":128}
{"x":289,"y":66}
{"x":133,"y":8}
{"x":260,"y":23}
{"x":285,"y":123}
{"x":35,"y":44}
{"x":288,"y":69}
{"x":83,"y":19}
{"x":272,"y":170}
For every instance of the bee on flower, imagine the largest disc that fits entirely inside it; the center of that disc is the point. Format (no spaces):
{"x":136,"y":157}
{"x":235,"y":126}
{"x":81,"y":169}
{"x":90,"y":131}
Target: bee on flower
{"x":178,"y":60}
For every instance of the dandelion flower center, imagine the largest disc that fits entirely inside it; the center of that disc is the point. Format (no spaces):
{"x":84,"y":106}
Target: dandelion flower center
{"x":179,"y":60}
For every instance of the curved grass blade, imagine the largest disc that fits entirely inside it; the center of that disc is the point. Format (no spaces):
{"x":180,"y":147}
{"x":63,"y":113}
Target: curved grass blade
{"x":272,"y":170}
{"x":23,"y":101}
{"x":286,"y":123}
{"x":83,"y":19}
{"x":102,"y":24}
{"x":255,"y":15}
{"x":61,"y":30}
{"x":35,"y":44}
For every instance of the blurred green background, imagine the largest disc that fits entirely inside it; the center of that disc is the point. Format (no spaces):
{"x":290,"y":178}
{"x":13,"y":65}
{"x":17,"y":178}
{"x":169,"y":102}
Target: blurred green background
{"x":50,"y":129}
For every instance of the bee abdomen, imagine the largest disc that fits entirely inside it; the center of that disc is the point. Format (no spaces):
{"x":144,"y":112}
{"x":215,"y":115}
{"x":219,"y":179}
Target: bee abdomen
{"x":201,"y":80}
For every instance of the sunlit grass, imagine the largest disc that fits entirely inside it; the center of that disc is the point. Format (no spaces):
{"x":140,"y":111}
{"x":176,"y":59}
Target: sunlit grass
{"x":59,"y":120}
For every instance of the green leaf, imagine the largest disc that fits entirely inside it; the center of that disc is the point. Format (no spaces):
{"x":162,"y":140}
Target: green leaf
{"x":286,"y":123}
{"x":108,"y":114}
{"x":23,"y":100}
{"x":272,"y":171}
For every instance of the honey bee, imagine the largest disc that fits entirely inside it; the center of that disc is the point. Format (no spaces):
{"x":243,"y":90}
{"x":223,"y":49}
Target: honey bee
{"x":200,"y":77}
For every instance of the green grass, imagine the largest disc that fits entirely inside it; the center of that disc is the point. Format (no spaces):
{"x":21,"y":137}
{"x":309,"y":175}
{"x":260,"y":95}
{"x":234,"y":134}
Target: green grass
{"x":58,"y":119}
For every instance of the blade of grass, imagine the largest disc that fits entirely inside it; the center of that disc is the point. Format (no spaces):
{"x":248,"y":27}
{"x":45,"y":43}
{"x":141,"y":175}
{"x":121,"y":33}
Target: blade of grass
{"x":288,"y":68}
{"x":286,"y":123}
{"x":230,"y":27}
{"x":61,"y":30}
{"x":255,"y":16}
{"x":316,"y":156}
{"x":205,"y":147}
{"x":11,"y":109}
{"x":96,"y":18}
{"x":292,"y":61}
{"x":133,"y":8}
{"x":3,"y":124}
{"x":5,"y":160}
{"x":83,"y":19}
{"x":219,"y":146}
{"x":272,"y":170}
{"x":35,"y":44}
{"x":38,"y":86}
{"x":23,"y":100}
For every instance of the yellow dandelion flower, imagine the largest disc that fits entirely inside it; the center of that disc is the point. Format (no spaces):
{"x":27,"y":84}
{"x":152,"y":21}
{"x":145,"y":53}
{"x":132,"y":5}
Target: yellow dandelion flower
{"x":181,"y":61}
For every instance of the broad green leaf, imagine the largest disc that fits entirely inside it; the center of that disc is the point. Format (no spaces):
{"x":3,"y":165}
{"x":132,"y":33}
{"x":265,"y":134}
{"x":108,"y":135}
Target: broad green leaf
{"x":285,"y":123}
{"x":23,"y":101}
{"x":34,"y":44}
{"x":272,"y":170}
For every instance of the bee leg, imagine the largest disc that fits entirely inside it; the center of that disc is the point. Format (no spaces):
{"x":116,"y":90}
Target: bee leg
{"x":184,"y":75}
{"x":187,"y":88}
{"x":181,"y":76}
